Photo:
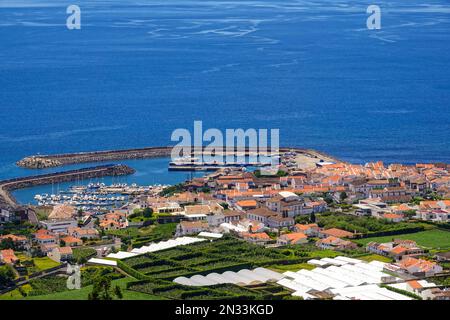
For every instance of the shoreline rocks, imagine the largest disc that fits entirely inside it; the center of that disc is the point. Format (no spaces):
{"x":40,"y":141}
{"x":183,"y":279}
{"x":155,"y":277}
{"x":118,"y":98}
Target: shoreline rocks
{"x":35,"y":162}
{"x":49,"y":161}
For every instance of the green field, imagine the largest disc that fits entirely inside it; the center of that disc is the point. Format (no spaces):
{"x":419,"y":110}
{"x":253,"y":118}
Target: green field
{"x":85,"y":253}
{"x":42,"y":212}
{"x":318,"y":254}
{"x":82,"y":294}
{"x":430,"y":239}
{"x":375,"y":257}
{"x":204,"y":256}
{"x":131,"y":232}
{"x":55,"y":287}
{"x":40,"y":263}
{"x":145,"y":235}
{"x":45,"y":263}
{"x":15,"y":294}
{"x":291,"y":267}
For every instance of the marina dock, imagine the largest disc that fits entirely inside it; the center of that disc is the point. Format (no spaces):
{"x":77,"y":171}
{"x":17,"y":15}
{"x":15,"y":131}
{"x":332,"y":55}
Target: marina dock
{"x":7,"y":201}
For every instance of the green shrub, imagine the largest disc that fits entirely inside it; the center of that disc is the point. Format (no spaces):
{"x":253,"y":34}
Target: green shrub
{"x":403,"y":292}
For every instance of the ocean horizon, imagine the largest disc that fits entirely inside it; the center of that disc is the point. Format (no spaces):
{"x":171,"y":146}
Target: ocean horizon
{"x":137,"y":70}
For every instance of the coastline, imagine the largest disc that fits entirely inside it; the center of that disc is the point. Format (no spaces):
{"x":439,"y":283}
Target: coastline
{"x":8,"y":201}
{"x":56,"y":160}
{"x":306,"y":156}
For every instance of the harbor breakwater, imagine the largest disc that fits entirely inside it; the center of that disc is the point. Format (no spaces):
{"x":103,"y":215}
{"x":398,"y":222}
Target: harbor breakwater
{"x":56,"y":160}
{"x":7,"y":201}
{"x":47,"y":161}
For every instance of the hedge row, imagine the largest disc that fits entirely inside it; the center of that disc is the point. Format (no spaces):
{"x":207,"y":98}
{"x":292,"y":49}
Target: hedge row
{"x":154,"y":263}
{"x":392,"y":232}
{"x":403,"y":292}
{"x":176,"y":291}
{"x":132,"y":272}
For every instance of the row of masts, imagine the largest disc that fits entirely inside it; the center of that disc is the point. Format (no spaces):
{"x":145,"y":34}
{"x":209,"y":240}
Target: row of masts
{"x":97,"y":195}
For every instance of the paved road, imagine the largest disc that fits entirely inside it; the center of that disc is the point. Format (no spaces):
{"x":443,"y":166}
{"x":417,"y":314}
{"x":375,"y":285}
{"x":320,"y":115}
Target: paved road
{"x":32,"y":217}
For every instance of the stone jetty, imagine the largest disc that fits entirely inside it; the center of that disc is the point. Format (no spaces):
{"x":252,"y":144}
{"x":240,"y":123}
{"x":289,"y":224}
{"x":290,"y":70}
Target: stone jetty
{"x":48,"y":161}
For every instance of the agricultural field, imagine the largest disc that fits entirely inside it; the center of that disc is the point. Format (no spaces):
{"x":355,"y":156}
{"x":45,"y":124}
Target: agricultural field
{"x":291,"y":267}
{"x":140,"y":236}
{"x":442,"y":281}
{"x":364,"y":225}
{"x":226,"y":254}
{"x":83,"y":253}
{"x":375,"y":257}
{"x":82,"y":294}
{"x":36,"y":264}
{"x":55,"y":287}
{"x":44,"y":263}
{"x":16,"y":294}
{"x":430,"y":239}
{"x":170,"y":290}
{"x":309,"y":251}
{"x":156,"y":270}
{"x":150,"y":275}
{"x":43,"y":212}
{"x":131,"y":232}
{"x":203,"y":257}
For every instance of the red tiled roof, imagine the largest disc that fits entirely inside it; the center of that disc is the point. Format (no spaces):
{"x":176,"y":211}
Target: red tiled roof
{"x":335,"y":232}
{"x":247,"y":203}
{"x":260,"y":236}
{"x":70,"y":239}
{"x":305,"y":227}
{"x":294,"y":237}
{"x":8,"y":256}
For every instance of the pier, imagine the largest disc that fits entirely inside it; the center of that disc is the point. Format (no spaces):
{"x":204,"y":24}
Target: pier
{"x":48,"y":161}
{"x":8,"y":201}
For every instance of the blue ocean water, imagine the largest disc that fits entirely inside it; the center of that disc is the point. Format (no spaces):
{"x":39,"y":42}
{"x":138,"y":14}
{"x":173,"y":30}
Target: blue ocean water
{"x":138,"y":69}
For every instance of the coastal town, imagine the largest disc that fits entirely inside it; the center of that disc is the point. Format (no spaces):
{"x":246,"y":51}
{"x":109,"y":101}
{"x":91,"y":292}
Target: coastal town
{"x":316,"y":228}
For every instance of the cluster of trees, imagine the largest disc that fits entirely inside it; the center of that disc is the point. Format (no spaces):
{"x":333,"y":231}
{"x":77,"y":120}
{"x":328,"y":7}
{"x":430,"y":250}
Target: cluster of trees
{"x":428,"y":195}
{"x":46,"y":285}
{"x":327,"y":198}
{"x":81,"y":255}
{"x":224,"y":205}
{"x":101,"y":278}
{"x":6,"y":276}
{"x":305,"y":219}
{"x":172,"y":189}
{"x":205,"y":189}
{"x":280,"y":173}
{"x":146,"y":213}
{"x":7,"y":244}
{"x":103,"y":290}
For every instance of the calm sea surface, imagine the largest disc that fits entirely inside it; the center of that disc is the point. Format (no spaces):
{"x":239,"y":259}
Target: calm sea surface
{"x":139,"y":69}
